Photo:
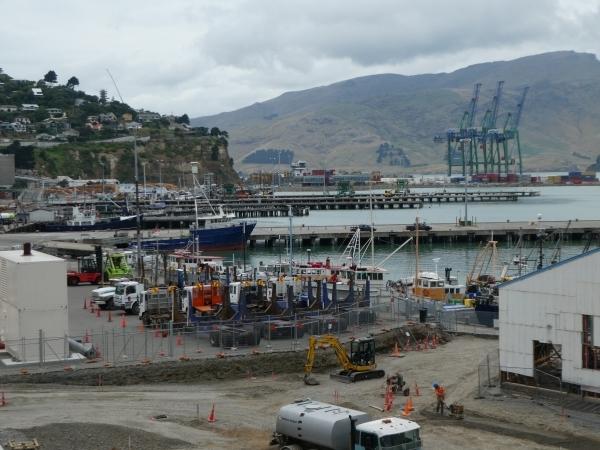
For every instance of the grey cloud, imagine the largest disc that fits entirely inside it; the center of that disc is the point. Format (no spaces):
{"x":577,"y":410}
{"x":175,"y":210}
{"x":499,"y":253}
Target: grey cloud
{"x":204,"y":57}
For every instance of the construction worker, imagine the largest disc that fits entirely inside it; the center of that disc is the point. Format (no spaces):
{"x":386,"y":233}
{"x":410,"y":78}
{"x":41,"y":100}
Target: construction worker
{"x":440,"y":394}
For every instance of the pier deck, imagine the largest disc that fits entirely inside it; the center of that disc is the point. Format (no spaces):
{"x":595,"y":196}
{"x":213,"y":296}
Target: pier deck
{"x":440,"y":232}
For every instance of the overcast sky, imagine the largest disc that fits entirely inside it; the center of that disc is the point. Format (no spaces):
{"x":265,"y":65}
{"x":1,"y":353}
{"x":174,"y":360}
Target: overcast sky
{"x":205,"y":57}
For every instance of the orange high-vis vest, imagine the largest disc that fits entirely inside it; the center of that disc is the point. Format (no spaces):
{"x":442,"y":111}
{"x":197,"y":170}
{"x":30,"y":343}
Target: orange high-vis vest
{"x":440,"y":392}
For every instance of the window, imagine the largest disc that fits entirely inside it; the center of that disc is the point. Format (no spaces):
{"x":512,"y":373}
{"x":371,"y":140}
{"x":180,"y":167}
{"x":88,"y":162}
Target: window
{"x":590,"y":353}
{"x":368,"y":441}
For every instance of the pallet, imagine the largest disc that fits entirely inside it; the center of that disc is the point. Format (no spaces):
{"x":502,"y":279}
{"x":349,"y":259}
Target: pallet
{"x":24,"y":445}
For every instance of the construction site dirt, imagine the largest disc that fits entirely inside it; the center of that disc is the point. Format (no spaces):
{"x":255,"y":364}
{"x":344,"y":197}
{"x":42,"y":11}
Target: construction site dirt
{"x":145,"y":413}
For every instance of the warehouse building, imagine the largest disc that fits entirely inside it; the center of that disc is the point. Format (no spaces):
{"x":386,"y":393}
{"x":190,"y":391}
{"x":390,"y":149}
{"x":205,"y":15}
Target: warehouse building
{"x":550,"y":326}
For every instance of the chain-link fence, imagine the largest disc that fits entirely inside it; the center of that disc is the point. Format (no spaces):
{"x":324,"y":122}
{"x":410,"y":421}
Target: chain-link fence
{"x":126,"y":340}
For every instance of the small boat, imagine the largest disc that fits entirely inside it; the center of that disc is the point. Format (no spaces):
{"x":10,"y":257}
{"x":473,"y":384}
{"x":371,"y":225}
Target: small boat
{"x":88,"y":220}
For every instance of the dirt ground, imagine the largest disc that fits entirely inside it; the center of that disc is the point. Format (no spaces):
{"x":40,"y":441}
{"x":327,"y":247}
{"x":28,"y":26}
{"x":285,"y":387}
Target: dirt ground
{"x":165,"y":416}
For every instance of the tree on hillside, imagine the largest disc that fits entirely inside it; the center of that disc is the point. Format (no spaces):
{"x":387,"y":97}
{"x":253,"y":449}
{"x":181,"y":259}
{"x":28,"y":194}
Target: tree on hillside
{"x":183,"y":119}
{"x":51,"y":77}
{"x":214,"y":131}
{"x":73,"y":81}
{"x":103,"y":96}
{"x":214,"y":152}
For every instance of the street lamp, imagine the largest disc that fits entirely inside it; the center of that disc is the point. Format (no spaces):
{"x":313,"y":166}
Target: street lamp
{"x":102,"y":164}
{"x":144,"y":171}
{"x":160,"y":161}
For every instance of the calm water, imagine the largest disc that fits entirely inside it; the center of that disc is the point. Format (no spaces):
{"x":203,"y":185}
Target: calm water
{"x":555,"y":203}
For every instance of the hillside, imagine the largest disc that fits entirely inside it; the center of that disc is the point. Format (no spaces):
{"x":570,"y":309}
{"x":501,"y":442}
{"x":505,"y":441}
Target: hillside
{"x":343,"y":125}
{"x":54,"y":129}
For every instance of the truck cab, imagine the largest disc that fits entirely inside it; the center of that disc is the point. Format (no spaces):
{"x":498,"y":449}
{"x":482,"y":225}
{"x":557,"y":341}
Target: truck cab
{"x":128,"y":296}
{"x":391,"y":433}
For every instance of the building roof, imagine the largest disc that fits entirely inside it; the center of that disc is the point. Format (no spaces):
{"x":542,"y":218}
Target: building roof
{"x":550,"y":267}
{"x":16,"y":256}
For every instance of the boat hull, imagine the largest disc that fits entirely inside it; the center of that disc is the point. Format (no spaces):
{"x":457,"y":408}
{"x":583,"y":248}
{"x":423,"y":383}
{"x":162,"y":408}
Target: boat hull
{"x":113,"y":224}
{"x":228,"y":237}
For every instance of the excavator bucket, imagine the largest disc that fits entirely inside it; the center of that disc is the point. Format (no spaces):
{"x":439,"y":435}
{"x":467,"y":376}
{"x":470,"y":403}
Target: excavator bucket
{"x":309,"y":380}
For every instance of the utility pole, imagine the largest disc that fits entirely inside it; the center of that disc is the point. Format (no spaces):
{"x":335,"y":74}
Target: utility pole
{"x":102,"y":164}
{"x":138,"y":221}
{"x":291,"y":248}
{"x":144,"y":172}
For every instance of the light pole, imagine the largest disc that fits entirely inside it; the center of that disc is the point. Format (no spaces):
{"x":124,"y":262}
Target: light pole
{"x":144,"y":171}
{"x":102,"y":164}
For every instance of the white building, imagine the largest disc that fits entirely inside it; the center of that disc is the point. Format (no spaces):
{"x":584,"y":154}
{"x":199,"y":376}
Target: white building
{"x":33,"y":297}
{"x":553,"y":315}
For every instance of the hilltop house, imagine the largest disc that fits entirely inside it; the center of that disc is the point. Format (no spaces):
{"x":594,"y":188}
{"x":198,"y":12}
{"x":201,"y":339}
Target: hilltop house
{"x":147,"y":116}
{"x":9,"y":108}
{"x":29,"y":107}
{"x":127,"y":117}
{"x":133,"y":126}
{"x":37,"y":92}
{"x":107,"y":117}
{"x":54,"y":111}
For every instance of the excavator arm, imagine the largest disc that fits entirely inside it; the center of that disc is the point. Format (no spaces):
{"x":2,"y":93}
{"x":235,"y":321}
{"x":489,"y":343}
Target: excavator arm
{"x":349,"y":369}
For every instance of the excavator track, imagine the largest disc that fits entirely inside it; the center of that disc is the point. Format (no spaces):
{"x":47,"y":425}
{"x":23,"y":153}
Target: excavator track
{"x":352,"y":377}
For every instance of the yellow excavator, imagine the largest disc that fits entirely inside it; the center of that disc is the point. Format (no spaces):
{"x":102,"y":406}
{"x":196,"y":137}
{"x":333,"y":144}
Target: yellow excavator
{"x":357,"y":366}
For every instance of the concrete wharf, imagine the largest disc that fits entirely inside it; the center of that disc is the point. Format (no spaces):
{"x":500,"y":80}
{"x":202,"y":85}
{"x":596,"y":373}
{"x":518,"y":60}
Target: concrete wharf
{"x":177,"y":211}
{"x":440,"y":232}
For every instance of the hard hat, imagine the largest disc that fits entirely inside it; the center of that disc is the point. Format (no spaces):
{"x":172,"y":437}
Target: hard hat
{"x":435,"y":385}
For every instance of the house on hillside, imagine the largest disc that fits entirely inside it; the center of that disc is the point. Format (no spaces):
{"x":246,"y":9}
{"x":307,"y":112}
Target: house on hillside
{"x":9,"y":108}
{"x":37,"y":92}
{"x":29,"y":107}
{"x":127,"y":117}
{"x":54,"y":111}
{"x":80,"y":101}
{"x":549,"y":324}
{"x":109,"y":117}
{"x":133,"y":126}
{"x":147,"y":116}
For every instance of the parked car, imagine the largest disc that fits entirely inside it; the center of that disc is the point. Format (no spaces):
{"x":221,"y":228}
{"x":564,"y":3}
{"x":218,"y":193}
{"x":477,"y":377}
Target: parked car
{"x":362,"y":227}
{"x":422,"y":227}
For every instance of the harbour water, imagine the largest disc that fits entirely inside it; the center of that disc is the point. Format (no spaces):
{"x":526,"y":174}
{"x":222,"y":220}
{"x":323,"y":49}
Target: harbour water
{"x":554,"y":203}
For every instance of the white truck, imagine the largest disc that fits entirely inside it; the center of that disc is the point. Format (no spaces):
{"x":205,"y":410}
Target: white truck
{"x":128,"y":296}
{"x":103,"y":297}
{"x":308,"y":424}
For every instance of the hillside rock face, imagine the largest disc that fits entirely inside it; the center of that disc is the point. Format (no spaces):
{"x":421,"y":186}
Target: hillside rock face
{"x":344,"y":125}
{"x":166,"y":157}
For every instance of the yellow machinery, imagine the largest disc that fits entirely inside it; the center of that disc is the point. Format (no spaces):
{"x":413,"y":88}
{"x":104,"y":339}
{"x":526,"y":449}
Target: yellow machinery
{"x":357,"y":366}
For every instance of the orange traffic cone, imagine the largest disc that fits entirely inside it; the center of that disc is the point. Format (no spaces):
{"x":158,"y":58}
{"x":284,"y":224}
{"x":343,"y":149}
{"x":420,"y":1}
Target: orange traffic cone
{"x":109,"y":315}
{"x":123,"y":323}
{"x":212,"y":417}
{"x":406,"y":410}
{"x":409,"y":403}
{"x":396,"y":351}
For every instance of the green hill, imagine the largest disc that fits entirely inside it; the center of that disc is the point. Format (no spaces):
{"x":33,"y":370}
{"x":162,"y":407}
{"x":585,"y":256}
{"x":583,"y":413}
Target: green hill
{"x":344,"y":124}
{"x":76,"y":134}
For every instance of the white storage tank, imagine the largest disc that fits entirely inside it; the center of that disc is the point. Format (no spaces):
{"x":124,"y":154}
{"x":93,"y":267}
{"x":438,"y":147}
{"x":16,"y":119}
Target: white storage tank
{"x":33,"y":296}
{"x":322,"y":424}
